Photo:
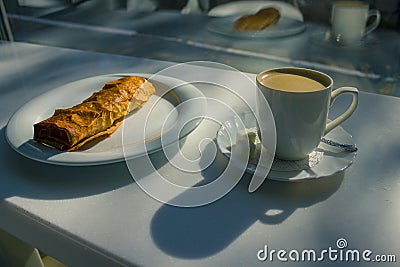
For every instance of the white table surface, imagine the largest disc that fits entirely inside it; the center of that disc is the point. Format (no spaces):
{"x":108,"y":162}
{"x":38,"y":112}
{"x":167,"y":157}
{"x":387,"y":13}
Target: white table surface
{"x":97,"y":216}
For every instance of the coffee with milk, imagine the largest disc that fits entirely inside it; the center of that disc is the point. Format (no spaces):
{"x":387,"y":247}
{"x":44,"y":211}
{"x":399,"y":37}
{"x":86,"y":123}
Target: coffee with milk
{"x":290,"y":82}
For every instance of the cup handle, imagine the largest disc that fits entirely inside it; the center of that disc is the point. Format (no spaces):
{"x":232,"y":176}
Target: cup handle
{"x":352,"y":90}
{"x":372,"y":26}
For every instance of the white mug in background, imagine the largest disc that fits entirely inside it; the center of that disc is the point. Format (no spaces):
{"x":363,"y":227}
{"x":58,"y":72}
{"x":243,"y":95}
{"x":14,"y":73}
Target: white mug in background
{"x":300,"y":100}
{"x":349,"y":21}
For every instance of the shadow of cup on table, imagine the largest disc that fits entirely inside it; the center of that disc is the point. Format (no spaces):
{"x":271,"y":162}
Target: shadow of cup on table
{"x":206,"y":230}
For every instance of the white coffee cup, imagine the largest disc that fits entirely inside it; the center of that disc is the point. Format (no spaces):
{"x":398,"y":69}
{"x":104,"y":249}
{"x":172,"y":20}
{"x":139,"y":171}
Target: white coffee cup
{"x":300,"y":100}
{"x":349,"y":21}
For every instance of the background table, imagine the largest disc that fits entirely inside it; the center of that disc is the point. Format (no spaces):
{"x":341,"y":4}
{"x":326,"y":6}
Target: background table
{"x":172,"y":36}
{"x":98,"y":216}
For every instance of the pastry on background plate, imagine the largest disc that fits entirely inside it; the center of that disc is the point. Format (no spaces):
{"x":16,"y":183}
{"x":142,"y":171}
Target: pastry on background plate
{"x":97,"y":116}
{"x":258,"y":21}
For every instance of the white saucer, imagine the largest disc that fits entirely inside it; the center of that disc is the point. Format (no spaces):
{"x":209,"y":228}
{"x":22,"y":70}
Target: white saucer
{"x":326,"y":160}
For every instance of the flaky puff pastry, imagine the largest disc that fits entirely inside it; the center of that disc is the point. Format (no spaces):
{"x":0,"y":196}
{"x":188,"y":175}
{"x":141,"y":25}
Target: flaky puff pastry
{"x":258,"y":21}
{"x":97,"y":116}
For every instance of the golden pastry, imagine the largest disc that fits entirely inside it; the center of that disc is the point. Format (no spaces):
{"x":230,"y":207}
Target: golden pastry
{"x":258,"y":21}
{"x":97,"y":116}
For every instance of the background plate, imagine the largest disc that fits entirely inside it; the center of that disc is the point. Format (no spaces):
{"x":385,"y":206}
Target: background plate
{"x":284,"y":27}
{"x":249,"y":7}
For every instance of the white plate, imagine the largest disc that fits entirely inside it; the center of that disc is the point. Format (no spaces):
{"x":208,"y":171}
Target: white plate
{"x":332,"y":161}
{"x":140,"y":133}
{"x":284,"y":27}
{"x":249,"y":7}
